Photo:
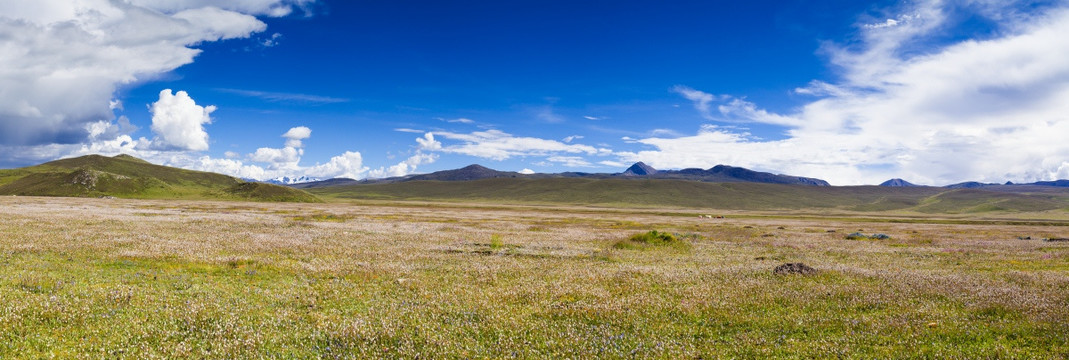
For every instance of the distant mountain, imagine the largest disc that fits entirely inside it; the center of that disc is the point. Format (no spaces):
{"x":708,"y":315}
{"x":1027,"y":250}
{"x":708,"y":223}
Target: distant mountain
{"x":325,"y":183}
{"x":639,"y":168}
{"x":125,"y":176}
{"x":467,"y":173}
{"x":1058,"y":183}
{"x":286,"y":180}
{"x":719,"y":173}
{"x":723,"y":173}
{"x":896,"y":182}
{"x":969,"y":185}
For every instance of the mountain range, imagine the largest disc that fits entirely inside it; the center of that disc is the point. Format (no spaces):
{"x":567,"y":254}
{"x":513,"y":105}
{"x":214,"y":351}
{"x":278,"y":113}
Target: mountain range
{"x":286,"y":180}
{"x":721,"y":187}
{"x":719,"y":173}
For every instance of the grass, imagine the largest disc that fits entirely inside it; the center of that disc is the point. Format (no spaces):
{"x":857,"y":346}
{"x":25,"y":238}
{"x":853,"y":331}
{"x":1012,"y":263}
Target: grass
{"x":622,"y":193}
{"x":129,"y":177}
{"x":85,"y":278}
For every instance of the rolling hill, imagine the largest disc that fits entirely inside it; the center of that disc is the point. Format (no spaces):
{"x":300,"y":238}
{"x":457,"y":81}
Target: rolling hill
{"x":125,"y":176}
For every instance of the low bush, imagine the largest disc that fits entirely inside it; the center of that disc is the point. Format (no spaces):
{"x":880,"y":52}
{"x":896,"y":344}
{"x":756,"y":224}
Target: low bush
{"x":652,"y":238}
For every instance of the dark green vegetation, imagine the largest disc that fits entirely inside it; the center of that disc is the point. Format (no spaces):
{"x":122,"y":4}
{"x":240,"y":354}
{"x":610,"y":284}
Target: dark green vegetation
{"x":125,"y":176}
{"x":652,"y":239}
{"x":731,"y":195}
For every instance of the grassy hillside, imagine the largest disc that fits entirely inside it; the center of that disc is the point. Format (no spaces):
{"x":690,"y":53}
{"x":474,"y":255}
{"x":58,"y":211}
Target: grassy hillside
{"x":129,"y":177}
{"x":680,"y":193}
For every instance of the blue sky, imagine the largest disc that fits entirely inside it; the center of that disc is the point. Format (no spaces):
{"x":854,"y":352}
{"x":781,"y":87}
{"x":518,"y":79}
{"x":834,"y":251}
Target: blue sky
{"x":853,"y":92}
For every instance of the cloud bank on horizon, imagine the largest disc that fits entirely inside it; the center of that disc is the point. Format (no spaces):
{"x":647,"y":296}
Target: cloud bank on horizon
{"x":905,"y":102}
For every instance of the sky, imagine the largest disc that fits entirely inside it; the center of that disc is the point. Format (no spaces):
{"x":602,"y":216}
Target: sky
{"x":853,"y":92}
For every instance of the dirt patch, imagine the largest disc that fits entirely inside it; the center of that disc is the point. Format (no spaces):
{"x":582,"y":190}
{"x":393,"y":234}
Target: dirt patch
{"x":794,"y":268}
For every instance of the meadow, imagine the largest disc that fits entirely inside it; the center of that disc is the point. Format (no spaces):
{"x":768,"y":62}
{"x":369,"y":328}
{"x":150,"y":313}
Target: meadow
{"x":114,"y":278}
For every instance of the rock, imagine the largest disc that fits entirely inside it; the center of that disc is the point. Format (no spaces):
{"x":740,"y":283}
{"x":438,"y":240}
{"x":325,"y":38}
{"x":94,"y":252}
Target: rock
{"x":881,"y":236}
{"x":1055,"y":239}
{"x":856,"y":236}
{"x":794,"y":268}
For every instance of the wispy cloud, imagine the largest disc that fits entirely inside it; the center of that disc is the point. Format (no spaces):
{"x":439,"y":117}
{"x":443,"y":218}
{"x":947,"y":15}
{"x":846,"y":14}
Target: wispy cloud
{"x":983,"y":109}
{"x":461,"y":121}
{"x":701,"y":99}
{"x":286,"y":97}
{"x":569,"y":139}
{"x":499,"y":145}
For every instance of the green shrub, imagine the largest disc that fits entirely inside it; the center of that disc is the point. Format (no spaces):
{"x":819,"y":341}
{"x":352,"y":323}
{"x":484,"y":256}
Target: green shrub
{"x":652,"y":238}
{"x":496,"y":242}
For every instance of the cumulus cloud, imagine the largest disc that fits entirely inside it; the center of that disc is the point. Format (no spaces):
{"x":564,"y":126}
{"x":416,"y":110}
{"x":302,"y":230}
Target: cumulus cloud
{"x":989,"y":109}
{"x":408,"y":166}
{"x":427,"y":142}
{"x":347,"y":165}
{"x":295,"y":135}
{"x":179,"y":122}
{"x":526,"y":171}
{"x":405,"y":167}
{"x":63,"y":60}
{"x":286,"y":157}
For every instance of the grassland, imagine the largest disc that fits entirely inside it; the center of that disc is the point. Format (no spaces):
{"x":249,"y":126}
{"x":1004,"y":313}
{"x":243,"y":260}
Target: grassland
{"x":96,"y":278}
{"x":694,"y":194}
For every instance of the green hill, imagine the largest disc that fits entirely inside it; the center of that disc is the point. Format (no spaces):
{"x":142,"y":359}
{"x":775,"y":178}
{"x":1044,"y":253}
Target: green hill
{"x":694,"y":194}
{"x":125,"y":176}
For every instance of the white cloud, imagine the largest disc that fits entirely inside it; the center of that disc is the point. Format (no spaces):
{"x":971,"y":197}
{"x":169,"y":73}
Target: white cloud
{"x":701,"y":99}
{"x":348,"y":165}
{"x":286,"y":157}
{"x":286,"y":97}
{"x":405,"y":167}
{"x":588,"y":117}
{"x":64,"y":59}
{"x":295,"y":135}
{"x":462,"y":121}
{"x":888,"y":23}
{"x":427,"y":142}
{"x":178,"y":122}
{"x":499,"y":145}
{"x":271,"y":41}
{"x":569,"y":139}
{"x":409,"y":165}
{"x":569,"y":161}
{"x":526,"y":171}
{"x":983,"y":109}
